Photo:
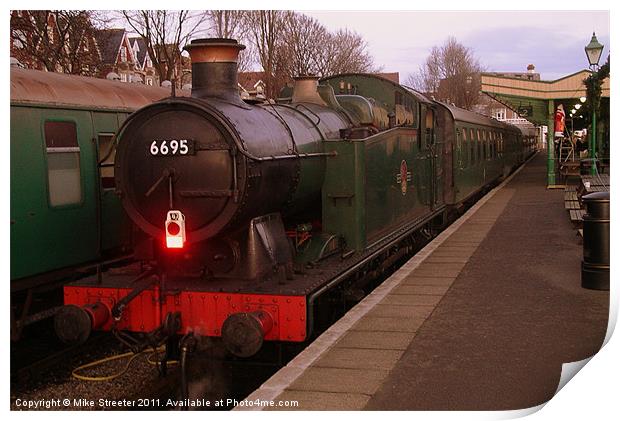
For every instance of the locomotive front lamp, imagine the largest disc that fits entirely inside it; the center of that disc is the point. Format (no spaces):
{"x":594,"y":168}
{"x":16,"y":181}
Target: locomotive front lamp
{"x":594,"y":50}
{"x":175,"y":229}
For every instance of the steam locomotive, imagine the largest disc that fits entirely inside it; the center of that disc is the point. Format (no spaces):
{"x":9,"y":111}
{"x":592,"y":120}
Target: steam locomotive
{"x":254,"y":212}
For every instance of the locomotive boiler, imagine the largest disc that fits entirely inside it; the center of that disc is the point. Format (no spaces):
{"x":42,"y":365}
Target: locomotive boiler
{"x":259,"y":216}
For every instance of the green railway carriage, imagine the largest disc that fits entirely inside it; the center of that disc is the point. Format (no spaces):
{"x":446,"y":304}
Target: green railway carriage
{"x":64,"y":211}
{"x":483,"y":150}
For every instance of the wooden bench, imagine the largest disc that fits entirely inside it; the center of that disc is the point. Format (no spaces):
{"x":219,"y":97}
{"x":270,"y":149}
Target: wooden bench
{"x":570,"y":196}
{"x":576,"y":215}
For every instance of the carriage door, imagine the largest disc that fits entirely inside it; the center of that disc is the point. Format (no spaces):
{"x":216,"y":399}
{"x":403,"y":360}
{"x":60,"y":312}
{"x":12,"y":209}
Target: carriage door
{"x":111,"y":221}
{"x":434,"y":153}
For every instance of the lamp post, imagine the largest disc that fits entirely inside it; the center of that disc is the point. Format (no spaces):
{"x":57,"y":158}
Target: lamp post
{"x":593,"y":51}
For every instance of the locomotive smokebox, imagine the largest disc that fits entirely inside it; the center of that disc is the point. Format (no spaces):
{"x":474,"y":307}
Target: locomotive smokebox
{"x":214,"y":68}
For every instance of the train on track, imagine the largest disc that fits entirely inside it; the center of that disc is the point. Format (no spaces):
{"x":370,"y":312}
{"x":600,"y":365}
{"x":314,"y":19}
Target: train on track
{"x":259,"y":215}
{"x":64,"y":210}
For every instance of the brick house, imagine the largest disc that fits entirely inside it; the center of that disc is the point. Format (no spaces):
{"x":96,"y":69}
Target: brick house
{"x":117,"y":55}
{"x":144,"y":65}
{"x":251,"y":84}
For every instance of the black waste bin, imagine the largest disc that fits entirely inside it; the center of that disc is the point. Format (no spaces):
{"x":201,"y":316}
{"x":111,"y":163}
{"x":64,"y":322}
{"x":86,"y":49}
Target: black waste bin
{"x":595,"y":264}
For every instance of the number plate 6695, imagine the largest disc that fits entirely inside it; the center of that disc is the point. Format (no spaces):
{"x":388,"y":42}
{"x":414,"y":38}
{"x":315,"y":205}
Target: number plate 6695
{"x":172,"y":147}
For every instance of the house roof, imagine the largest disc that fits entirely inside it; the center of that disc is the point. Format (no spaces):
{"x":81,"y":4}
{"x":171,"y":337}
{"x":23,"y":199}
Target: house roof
{"x":248,"y":80}
{"x":109,"y":42}
{"x":142,"y":50}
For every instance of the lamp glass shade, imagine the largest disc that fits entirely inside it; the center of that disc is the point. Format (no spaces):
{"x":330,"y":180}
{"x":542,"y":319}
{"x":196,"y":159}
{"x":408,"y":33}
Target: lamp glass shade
{"x":594,"y":50}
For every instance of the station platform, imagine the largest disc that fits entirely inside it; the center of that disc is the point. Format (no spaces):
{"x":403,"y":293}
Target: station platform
{"x":481,"y":319}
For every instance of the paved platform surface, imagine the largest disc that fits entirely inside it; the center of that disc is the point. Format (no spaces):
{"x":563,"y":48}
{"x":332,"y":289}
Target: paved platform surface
{"x":481,"y":319}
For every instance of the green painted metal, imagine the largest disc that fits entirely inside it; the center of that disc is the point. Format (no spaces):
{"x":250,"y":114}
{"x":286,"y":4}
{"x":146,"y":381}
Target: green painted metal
{"x":344,"y":194}
{"x":539,"y":106}
{"x":593,"y":169}
{"x":396,"y":172}
{"x":376,"y":185}
{"x":46,"y":238}
{"x":382,"y":91}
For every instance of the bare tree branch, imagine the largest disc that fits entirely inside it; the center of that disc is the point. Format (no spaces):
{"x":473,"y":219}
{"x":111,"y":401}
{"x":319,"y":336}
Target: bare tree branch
{"x":451,"y":74}
{"x":60,"y":40}
{"x":165,"y":33}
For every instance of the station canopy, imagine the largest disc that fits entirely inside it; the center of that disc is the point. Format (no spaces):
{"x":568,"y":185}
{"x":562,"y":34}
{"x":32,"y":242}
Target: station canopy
{"x":536,"y":100}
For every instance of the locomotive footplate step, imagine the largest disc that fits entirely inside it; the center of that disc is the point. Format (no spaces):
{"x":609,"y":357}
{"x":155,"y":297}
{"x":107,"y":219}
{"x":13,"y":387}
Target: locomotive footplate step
{"x":482,"y":318}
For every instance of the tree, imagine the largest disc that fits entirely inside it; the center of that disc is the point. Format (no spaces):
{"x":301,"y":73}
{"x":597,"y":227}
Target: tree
{"x":266,"y":29}
{"x":289,"y":44}
{"x":58,"y":40}
{"x":165,"y":33}
{"x":304,"y":38}
{"x":345,"y":52}
{"x":451,"y":74}
{"x":232,"y":24}
{"x":227,"y":23}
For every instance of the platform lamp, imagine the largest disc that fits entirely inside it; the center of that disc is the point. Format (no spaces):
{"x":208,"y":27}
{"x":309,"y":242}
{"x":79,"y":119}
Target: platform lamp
{"x":593,"y":51}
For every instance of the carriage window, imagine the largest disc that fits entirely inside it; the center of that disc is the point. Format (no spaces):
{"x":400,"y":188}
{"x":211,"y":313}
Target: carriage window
{"x":63,"y":163}
{"x":472,"y":157}
{"x":107,"y":152}
{"x":463,"y":148}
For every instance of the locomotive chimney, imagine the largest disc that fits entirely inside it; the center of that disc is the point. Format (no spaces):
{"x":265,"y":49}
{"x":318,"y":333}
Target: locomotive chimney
{"x":214,"y":68}
{"x":305,"y":90}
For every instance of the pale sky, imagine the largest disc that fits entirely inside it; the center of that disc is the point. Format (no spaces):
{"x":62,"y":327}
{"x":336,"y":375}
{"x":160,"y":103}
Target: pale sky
{"x":553,"y":41}
{"x":400,"y":40}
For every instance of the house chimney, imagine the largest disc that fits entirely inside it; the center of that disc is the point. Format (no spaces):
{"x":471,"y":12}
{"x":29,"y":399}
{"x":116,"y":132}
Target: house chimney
{"x":214,"y":68}
{"x":306,"y":90}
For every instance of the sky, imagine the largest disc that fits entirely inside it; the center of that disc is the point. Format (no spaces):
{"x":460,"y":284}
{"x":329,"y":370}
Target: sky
{"x":553,"y":41}
{"x":508,"y":40}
